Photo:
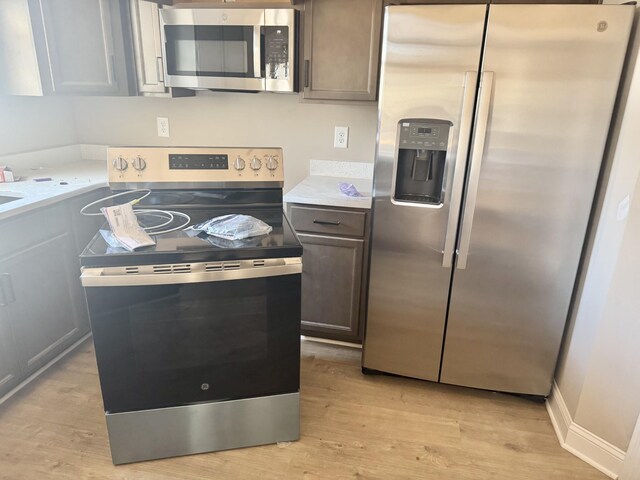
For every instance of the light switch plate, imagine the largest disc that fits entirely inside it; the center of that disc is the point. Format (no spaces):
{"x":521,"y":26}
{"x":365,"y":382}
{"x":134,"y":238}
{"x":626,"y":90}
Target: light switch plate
{"x":341,"y":137}
{"x":163,"y":126}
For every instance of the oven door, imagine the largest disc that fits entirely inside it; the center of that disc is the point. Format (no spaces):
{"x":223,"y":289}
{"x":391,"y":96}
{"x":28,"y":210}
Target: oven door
{"x":213,"y":48}
{"x":170,"y":339}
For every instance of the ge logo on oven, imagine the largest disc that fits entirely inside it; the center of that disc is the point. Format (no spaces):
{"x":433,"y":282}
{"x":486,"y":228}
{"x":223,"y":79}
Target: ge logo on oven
{"x":204,"y":386}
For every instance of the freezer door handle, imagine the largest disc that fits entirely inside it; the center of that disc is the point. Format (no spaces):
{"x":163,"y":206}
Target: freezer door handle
{"x":477,"y":152}
{"x":464,"y":138}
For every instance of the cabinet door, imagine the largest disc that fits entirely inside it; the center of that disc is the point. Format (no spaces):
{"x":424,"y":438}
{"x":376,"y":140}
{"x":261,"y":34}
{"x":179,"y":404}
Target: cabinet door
{"x":331,"y":286}
{"x":85,"y":227}
{"x":41,"y":283}
{"x":84,"y":46}
{"x":147,"y":44}
{"x":341,"y":49}
{"x":9,"y":369}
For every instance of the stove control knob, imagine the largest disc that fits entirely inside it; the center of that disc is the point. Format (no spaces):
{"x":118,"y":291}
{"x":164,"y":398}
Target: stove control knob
{"x":255,"y":164}
{"x":120,"y":164}
{"x":139,"y":163}
{"x":239,"y":164}
{"x":272,"y":162}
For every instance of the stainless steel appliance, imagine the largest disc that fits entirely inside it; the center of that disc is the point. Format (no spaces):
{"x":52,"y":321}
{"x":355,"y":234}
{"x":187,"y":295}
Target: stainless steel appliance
{"x":492,"y":125}
{"x":197,"y":338}
{"x":230,"y":49}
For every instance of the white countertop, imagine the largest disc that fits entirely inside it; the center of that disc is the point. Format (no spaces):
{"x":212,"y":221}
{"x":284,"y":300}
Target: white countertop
{"x":324,"y":190}
{"x":80,"y":177}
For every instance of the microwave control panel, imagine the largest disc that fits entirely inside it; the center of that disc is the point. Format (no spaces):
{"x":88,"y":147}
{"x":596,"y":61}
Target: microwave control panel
{"x":276,"y":44}
{"x":279,"y":47}
{"x":202,"y":165}
{"x":276,"y":52}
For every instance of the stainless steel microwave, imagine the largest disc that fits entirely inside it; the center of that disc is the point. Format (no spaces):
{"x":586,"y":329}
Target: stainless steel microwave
{"x":230,"y":49}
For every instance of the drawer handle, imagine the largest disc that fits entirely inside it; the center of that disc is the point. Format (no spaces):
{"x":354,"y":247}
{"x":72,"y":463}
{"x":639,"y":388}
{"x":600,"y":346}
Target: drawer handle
{"x":324,"y":222}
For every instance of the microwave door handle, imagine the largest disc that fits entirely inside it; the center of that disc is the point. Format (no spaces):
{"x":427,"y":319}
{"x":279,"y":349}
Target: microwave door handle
{"x":263,"y":55}
{"x":464,"y":138}
{"x":258,"y":55}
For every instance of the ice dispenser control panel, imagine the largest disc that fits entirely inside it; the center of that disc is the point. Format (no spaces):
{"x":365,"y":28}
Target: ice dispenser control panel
{"x":421,"y":157}
{"x":424,"y":135}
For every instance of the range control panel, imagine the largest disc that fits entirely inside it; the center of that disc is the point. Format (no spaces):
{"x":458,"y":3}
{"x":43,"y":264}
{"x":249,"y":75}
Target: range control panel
{"x":158,"y":166}
{"x":198,"y":161}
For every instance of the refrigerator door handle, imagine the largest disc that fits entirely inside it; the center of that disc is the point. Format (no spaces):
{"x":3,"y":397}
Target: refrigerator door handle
{"x":477,"y":152}
{"x":464,"y":138}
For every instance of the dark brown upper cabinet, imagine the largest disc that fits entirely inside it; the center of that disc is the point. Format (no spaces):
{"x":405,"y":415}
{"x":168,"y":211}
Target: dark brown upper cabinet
{"x":65,"y":47}
{"x":341,"y":49}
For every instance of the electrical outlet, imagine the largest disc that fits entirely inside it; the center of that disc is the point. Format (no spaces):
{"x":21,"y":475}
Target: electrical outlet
{"x":341,"y":137}
{"x":163,"y":126}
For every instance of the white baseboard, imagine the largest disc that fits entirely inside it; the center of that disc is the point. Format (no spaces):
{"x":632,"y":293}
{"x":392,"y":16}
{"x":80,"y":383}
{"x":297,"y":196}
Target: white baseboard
{"x":582,"y":443}
{"x":332,"y":342}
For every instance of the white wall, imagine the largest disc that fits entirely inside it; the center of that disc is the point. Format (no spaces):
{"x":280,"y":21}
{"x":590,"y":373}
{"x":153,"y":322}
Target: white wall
{"x":610,"y":399}
{"x":33,"y":123}
{"x":598,"y":374}
{"x":304,"y":130}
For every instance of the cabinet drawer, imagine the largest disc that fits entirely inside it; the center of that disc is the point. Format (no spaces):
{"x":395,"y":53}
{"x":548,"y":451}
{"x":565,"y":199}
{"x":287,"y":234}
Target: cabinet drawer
{"x":30,"y":228}
{"x":324,"y":220}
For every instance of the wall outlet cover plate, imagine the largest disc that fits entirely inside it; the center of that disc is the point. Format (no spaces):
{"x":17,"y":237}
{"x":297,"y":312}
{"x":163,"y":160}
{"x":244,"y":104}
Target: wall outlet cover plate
{"x":341,"y":137}
{"x":163,"y":126}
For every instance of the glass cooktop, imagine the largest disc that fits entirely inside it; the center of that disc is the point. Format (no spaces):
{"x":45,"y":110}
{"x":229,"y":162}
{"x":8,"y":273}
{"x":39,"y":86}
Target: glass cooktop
{"x":184,"y":247}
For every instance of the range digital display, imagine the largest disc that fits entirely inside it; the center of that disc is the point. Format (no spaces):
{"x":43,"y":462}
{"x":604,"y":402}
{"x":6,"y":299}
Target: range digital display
{"x":198,"y":161}
{"x":424,"y":130}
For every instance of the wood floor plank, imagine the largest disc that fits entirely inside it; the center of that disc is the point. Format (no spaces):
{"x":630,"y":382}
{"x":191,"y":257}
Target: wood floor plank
{"x":353,"y":426}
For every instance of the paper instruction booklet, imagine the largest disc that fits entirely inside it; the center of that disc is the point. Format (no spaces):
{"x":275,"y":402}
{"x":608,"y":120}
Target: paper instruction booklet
{"x":125,"y":227}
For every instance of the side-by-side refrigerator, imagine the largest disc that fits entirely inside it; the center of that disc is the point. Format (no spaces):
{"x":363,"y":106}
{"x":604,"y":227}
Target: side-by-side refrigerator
{"x":492,"y":128}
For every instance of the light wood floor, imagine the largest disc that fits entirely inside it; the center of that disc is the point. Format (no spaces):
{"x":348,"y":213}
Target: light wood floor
{"x":353,"y":426}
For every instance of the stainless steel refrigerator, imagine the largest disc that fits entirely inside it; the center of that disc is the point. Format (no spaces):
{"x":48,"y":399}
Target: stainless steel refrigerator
{"x":492,"y":127}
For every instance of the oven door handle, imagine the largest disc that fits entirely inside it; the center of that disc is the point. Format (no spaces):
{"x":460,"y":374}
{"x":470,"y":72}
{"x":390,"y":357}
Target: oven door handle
{"x":199,"y":273}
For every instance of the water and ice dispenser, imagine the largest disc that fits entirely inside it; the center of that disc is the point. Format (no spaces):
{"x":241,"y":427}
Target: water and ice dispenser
{"x":420,"y":168}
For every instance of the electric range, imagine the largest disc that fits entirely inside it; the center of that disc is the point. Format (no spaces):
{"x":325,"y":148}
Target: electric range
{"x":197,"y":338}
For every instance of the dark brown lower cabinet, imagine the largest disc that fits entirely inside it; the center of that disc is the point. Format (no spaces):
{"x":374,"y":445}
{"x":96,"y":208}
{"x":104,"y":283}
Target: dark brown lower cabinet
{"x":42,"y":305}
{"x":331,"y":285}
{"x":43,"y":301}
{"x":334,"y":270}
{"x":9,"y":370}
